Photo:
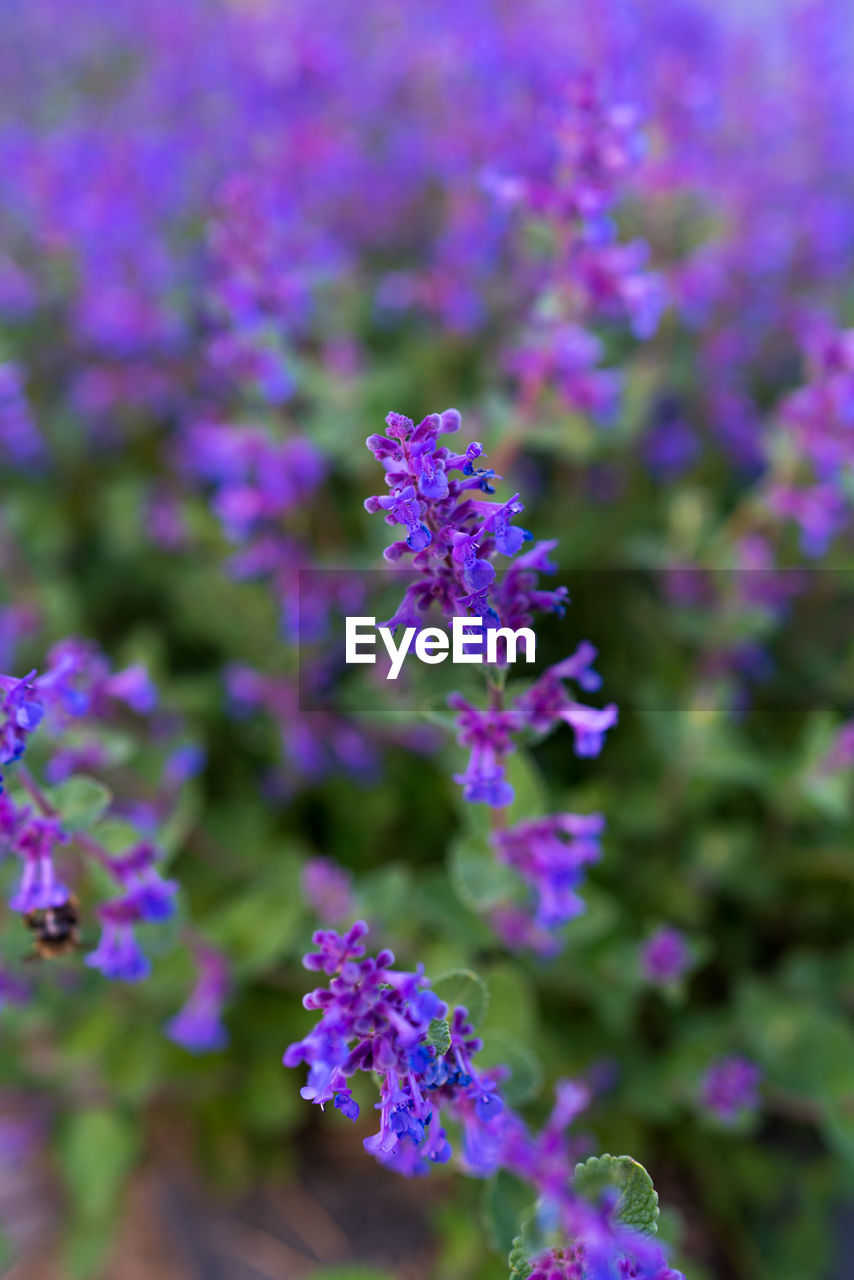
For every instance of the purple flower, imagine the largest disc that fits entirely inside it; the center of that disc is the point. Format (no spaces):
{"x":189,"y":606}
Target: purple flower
{"x":597,"y":1246}
{"x":487,"y":734}
{"x":597,"y":1254}
{"x":118,"y":955}
{"x":816,"y":422}
{"x":730,"y":1088}
{"x":134,"y":687}
{"x":665,"y":956}
{"x":12,"y":990}
{"x":589,"y":726}
{"x":20,"y":439}
{"x":78,"y":682}
{"x":550,"y":855}
{"x":198,"y":1027}
{"x":547,"y":703}
{"x":518,"y":930}
{"x":841,"y":754}
{"x":184,"y":762}
{"x":34,"y":841}
{"x":374,"y":1018}
{"x":671,"y":447}
{"x":314,"y":743}
{"x":21,"y":714}
{"x":404,"y":508}
{"x":453,"y":535}
{"x":147,"y":894}
{"x":328,"y":889}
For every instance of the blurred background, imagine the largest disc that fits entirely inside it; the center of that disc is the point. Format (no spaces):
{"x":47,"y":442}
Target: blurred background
{"x":619,"y":239}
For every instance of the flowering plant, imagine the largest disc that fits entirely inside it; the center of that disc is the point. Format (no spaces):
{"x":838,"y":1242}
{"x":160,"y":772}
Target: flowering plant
{"x":619,"y":237}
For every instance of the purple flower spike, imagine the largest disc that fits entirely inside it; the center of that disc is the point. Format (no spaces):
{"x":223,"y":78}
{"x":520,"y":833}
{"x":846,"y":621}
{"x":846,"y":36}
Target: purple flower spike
{"x":376,"y":1019}
{"x":431,"y":496}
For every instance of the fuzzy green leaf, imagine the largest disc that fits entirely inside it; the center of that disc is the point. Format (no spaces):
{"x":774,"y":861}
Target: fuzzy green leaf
{"x":526,"y":1071}
{"x":462,"y":987}
{"x":527,"y":782}
{"x":637,"y":1206}
{"x":479,"y":881}
{"x":439,"y":1036}
{"x":506,"y":1199}
{"x":80,"y":802}
{"x":521,"y":1251}
{"x":97,"y":1151}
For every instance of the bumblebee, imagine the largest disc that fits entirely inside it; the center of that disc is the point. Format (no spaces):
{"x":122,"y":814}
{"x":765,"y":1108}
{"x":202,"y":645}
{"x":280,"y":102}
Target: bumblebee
{"x":55,"y":930}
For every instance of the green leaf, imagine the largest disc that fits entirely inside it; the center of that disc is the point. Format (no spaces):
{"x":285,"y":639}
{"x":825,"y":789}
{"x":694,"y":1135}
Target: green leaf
{"x":512,"y":1002}
{"x":265,"y":1107}
{"x":439,"y":1036}
{"x":837,"y":1125}
{"x":133,"y":1064}
{"x":386,"y":893}
{"x":531,"y":798}
{"x":500,"y":1049}
{"x":521,"y":1250}
{"x":829,"y":793}
{"x":116,"y":835}
{"x":259,"y":923}
{"x":637,"y":1206}
{"x":80,"y":802}
{"x":463,"y":987}
{"x":506,"y":1199}
{"x":179,"y":824}
{"x":805,"y":1049}
{"x":436,"y":711}
{"x":480,"y":882}
{"x":86,"y":1247}
{"x":97,"y":1150}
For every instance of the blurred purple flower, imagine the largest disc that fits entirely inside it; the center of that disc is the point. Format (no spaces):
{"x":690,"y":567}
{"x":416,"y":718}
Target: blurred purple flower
{"x":665,"y":956}
{"x":730,"y":1088}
